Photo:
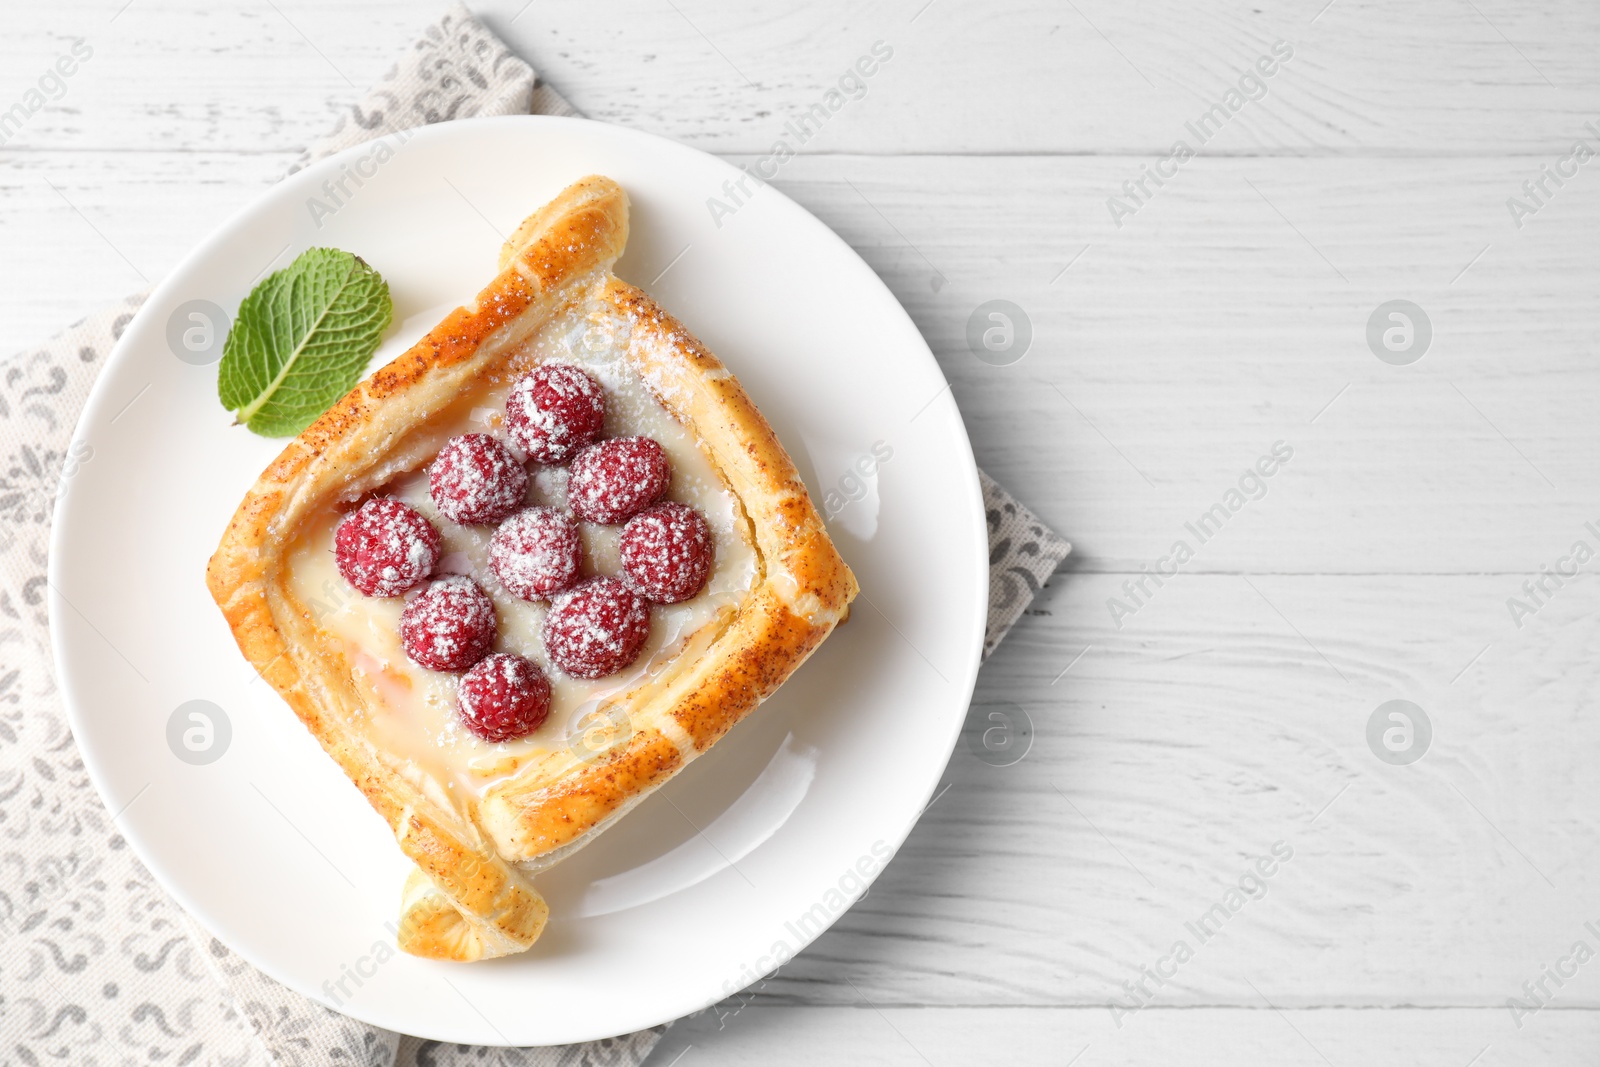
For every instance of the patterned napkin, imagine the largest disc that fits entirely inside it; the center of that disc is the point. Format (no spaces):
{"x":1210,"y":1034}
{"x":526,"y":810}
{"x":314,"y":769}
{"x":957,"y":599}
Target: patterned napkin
{"x":97,"y":964}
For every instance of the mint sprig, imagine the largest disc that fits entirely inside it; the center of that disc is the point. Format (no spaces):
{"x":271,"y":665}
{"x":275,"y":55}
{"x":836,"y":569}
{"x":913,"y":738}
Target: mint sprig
{"x":301,"y":340}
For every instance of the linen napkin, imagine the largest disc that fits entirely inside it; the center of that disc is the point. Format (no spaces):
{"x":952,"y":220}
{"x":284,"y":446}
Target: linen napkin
{"x":97,"y":964}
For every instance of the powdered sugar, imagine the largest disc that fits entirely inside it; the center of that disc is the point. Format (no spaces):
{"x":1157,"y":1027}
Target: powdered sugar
{"x":504,"y":697}
{"x":449,"y":626}
{"x":554,"y":411}
{"x":476,"y":480}
{"x":536,"y":553}
{"x":596,"y":629}
{"x":666,"y":552}
{"x":385,"y":547}
{"x":617,"y":478}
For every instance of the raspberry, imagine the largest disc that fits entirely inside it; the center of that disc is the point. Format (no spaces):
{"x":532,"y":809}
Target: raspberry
{"x":666,"y":552}
{"x":536,"y":553}
{"x":450,"y":626}
{"x":616,"y":479}
{"x":386,"y":547}
{"x":596,"y":629}
{"x":476,"y":480}
{"x":504,"y":697}
{"x":555,"y":411}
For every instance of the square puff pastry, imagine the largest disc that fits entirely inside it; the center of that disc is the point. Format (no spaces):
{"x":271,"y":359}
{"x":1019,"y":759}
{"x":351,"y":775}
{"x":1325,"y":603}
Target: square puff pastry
{"x":470,"y":896}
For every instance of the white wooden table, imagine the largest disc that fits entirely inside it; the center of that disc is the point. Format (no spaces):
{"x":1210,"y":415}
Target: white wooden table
{"x":1227,"y":312}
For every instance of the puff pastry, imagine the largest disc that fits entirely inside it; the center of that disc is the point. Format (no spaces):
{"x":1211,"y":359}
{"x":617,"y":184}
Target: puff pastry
{"x":471,"y":895}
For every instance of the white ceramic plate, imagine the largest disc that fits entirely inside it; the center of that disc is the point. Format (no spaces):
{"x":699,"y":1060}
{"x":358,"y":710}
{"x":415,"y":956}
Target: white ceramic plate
{"x":746,"y":856}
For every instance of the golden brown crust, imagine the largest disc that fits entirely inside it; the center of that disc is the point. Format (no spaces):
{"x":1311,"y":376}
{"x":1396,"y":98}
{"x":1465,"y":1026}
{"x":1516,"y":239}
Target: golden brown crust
{"x":469,"y":897}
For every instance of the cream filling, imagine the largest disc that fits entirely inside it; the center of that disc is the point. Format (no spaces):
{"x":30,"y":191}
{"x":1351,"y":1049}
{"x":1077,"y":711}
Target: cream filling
{"x":413,"y":710}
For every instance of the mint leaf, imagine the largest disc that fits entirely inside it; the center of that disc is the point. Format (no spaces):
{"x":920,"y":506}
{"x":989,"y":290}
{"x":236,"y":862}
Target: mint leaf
{"x":301,"y":340}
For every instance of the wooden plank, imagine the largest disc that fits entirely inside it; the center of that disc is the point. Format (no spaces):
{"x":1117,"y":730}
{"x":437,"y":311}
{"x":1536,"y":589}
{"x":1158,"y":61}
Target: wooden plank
{"x":917,"y":1037}
{"x":87,"y":229}
{"x":1409,"y":78}
{"x":1175,"y":351}
{"x":1222,"y":719}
